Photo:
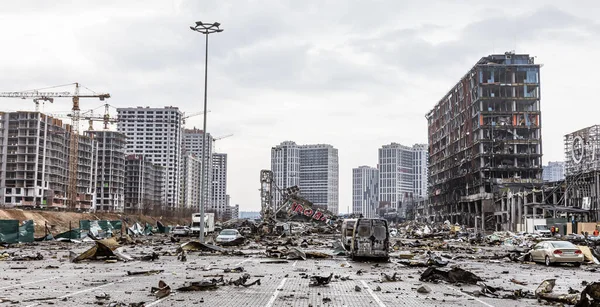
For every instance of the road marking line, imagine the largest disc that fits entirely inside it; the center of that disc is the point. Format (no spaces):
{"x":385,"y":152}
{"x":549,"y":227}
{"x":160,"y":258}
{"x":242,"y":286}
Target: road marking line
{"x":295,"y":262}
{"x":244,"y":261}
{"x":86,"y":290}
{"x":276,"y":293}
{"x":95,"y":288}
{"x":158,"y":301}
{"x":28,"y":283}
{"x":379,"y":302}
{"x":470,"y":296}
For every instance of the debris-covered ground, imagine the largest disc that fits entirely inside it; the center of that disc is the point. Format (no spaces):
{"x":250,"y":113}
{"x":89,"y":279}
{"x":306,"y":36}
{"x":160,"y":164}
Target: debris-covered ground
{"x":307,"y":269}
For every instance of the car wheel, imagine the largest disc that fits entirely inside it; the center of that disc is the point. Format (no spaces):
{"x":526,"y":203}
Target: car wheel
{"x":548,"y":263}
{"x":577,"y":264}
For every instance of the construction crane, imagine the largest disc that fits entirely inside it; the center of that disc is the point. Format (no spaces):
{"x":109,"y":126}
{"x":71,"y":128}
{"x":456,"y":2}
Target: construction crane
{"x":42,"y":99}
{"x":219,"y":138}
{"x":192,"y":115}
{"x":37,"y":95}
{"x":105,"y":119}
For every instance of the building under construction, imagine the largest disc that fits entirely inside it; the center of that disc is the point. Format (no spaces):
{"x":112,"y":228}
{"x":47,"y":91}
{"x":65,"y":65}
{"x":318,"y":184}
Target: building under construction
{"x":110,"y":170}
{"x":485,"y":139}
{"x":144,"y":184}
{"x":34,"y":158}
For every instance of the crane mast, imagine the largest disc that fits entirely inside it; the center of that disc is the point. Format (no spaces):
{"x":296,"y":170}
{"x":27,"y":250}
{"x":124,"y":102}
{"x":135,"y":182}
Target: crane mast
{"x":74,"y":151}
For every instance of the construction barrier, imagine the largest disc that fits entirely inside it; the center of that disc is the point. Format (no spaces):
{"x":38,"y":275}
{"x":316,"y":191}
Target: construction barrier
{"x":11,"y":232}
{"x":101,"y":228}
{"x":162,"y":228}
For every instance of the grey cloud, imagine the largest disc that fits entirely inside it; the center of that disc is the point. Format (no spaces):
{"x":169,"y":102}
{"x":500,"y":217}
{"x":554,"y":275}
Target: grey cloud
{"x":407,"y":49}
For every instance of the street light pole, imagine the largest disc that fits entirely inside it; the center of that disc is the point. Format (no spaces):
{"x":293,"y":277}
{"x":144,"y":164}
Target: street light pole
{"x":206,"y":29}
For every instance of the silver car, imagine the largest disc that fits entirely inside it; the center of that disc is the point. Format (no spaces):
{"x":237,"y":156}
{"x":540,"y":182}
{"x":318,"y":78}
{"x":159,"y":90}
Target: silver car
{"x":551,"y":252}
{"x":229,"y":236}
{"x":180,"y":231}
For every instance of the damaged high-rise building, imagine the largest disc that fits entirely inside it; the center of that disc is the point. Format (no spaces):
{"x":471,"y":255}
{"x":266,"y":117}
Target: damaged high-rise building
{"x":484,"y":140}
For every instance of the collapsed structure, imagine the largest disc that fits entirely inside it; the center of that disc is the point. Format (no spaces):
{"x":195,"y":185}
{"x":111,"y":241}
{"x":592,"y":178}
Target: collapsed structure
{"x":291,"y":205}
{"x":485,"y":138}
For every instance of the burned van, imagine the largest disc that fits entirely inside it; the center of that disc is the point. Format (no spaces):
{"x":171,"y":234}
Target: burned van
{"x":370,"y":239}
{"x":346,"y":232}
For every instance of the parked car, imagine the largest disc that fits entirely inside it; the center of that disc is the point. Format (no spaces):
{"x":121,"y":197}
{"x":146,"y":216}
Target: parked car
{"x":230,"y":237}
{"x":551,"y":252}
{"x":180,"y":231}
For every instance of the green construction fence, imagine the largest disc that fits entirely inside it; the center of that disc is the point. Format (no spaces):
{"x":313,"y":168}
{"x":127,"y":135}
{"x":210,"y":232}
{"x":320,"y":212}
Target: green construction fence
{"x":12,"y":232}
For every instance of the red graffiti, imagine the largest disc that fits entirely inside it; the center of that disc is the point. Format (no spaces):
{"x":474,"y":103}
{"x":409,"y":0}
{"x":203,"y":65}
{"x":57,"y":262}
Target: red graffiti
{"x":314,"y":214}
{"x":308,"y":212}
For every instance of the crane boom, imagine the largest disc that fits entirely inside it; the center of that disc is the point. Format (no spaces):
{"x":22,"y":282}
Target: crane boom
{"x":35,"y":94}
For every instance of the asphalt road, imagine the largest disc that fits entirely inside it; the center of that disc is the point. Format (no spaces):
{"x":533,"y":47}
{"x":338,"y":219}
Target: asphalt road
{"x":39,"y":283}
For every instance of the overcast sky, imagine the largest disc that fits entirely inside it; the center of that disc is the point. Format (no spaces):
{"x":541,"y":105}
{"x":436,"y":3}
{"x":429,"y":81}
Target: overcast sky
{"x":354,"y":74}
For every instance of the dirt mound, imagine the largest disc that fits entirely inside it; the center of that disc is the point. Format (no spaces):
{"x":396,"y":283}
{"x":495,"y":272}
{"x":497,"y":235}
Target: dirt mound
{"x":59,"y":221}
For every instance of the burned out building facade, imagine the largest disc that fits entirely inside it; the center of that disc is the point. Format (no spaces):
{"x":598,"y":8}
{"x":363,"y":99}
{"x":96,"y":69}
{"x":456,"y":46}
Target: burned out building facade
{"x":582,"y":171}
{"x":484,"y":140}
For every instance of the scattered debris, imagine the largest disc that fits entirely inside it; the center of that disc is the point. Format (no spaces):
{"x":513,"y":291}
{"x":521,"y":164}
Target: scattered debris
{"x":197,"y":246}
{"x":544,"y":291}
{"x":522,"y":283}
{"x":163,"y":290}
{"x":386,"y":278}
{"x":296,"y":254}
{"x":104,"y":248}
{"x":151,"y":257}
{"x":204,"y":285}
{"x":147,"y":273}
{"x":320,"y":280}
{"x":455,"y":275}
{"x":37,"y":256}
{"x":424,"y":289}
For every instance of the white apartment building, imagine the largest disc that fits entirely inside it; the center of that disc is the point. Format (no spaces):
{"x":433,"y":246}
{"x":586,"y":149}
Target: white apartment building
{"x":156,"y":133}
{"x":319,"y":176}
{"x":365,"y":191}
{"x":420,"y":163}
{"x":285,"y":165}
{"x":193,"y":143}
{"x":219,"y":184}
{"x":313,"y":168}
{"x":402,"y":175}
{"x":554,"y":171}
{"x":190,"y":187}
